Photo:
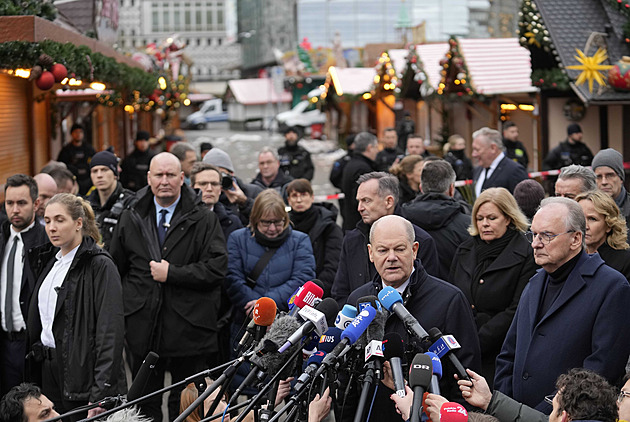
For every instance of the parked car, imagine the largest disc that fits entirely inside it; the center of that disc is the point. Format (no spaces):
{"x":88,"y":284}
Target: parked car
{"x":210,"y":111}
{"x":303,"y":115}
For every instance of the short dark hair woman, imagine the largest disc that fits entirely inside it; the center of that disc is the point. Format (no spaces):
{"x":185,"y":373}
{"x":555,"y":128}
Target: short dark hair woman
{"x":75,"y":319}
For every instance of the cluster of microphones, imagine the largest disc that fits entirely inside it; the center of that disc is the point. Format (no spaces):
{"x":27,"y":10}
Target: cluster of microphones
{"x":317,"y":343}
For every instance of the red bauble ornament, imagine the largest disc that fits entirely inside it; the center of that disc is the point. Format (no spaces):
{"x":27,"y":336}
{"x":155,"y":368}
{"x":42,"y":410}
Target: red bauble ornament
{"x":59,"y":71}
{"x":619,"y":75}
{"x":45,"y":81}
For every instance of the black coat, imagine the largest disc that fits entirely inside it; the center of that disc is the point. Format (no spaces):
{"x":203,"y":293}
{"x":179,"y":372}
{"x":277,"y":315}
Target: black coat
{"x":88,"y":326}
{"x":359,"y":164}
{"x":461,"y":164}
{"x":251,"y":191}
{"x":386,"y":157}
{"x":566,"y":154}
{"x":507,"y":175}
{"x":495,"y":296}
{"x":107,"y":216}
{"x":228,"y":220}
{"x":445,"y":219}
{"x":617,"y":259}
{"x":78,"y":161}
{"x":623,"y":202}
{"x":326,"y":238}
{"x":355,"y":268}
{"x":279,"y":183}
{"x":134,"y":169}
{"x":434,"y":303}
{"x":177,"y":317}
{"x":296,"y":161}
{"x":406,"y":193}
{"x":32,"y":238}
{"x":515,"y":151}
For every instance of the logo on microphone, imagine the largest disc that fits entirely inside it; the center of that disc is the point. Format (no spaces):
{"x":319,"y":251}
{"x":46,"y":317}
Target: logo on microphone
{"x":421,"y":366}
{"x":310,"y":298}
{"x":363,"y":305}
{"x":357,"y":321}
{"x":327,"y":339}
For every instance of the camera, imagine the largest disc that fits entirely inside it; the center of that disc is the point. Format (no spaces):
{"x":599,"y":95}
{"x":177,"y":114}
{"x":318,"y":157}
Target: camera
{"x":226,"y":181}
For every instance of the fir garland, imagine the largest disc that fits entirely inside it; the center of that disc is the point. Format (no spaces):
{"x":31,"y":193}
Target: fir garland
{"x":43,"y":9}
{"x":623,"y":6}
{"x":455,"y":83}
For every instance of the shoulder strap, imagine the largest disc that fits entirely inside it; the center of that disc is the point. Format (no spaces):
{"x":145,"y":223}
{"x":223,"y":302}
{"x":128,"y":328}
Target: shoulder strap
{"x":252,"y":277}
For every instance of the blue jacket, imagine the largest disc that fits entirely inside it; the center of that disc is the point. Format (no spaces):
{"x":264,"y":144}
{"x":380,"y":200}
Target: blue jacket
{"x":587,"y":326}
{"x":291,"y":266}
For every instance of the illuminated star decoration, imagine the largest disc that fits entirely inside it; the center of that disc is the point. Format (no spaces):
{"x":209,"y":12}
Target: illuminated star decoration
{"x":532,"y":39}
{"x":591,"y":68}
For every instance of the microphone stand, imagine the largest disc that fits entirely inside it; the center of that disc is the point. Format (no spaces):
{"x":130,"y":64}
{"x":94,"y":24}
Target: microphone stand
{"x":218,"y":415}
{"x":106,"y":402}
{"x":268,"y":386}
{"x":373,"y":373}
{"x":192,"y":378}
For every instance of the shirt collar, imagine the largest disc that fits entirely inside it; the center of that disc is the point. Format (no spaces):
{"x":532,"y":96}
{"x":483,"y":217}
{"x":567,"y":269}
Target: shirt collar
{"x":69,"y":257}
{"x":170,"y":208}
{"x":496,"y":161}
{"x":15,"y":233}
{"x":401,"y":289}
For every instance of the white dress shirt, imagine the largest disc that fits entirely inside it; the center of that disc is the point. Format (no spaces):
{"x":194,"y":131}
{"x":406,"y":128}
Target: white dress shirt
{"x":47,"y":295}
{"x":16,"y":312}
{"x":486,"y":173}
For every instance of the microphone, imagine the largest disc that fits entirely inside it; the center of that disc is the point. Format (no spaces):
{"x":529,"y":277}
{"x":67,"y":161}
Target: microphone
{"x":312,"y":364}
{"x":139,"y":384}
{"x":445,"y":346}
{"x":419,"y":380}
{"x":329,"y":340}
{"x":453,"y":412}
{"x":305,"y":295}
{"x":316,"y":319}
{"x":392,"y":301}
{"x":394,"y":350}
{"x":376,"y":330}
{"x":437,"y":373}
{"x":345,"y":316}
{"x":263,"y":316}
{"x":310,"y":345}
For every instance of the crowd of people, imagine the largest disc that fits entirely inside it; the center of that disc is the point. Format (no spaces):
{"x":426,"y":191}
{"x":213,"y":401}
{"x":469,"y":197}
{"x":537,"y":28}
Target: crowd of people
{"x":172,"y":253}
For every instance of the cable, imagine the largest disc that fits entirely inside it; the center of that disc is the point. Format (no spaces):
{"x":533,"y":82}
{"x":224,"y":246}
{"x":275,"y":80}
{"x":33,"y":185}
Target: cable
{"x":224,"y":412}
{"x":372,"y":404}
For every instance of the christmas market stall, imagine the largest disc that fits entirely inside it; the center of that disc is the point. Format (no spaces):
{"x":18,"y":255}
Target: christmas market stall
{"x":255,"y":102}
{"x":580,"y":62}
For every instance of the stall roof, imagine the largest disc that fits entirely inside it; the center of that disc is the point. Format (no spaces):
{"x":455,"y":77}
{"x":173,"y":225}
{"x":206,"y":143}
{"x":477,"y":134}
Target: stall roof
{"x":431,"y":54}
{"x":497,"y":65}
{"x":352,"y":80}
{"x":257,"y":91}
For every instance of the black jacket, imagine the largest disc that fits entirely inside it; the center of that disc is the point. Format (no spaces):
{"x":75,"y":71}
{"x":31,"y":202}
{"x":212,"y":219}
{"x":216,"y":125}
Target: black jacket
{"x":445,"y":219}
{"x":177,"y":317}
{"x":107,"y":216}
{"x":279,"y":183}
{"x":434,"y":303}
{"x":88,"y":326}
{"x":623,"y":202}
{"x":228,"y":220}
{"x":359,"y":164}
{"x":32,"y":238}
{"x":296,"y":161}
{"x":461,"y":164}
{"x":251,"y":191}
{"x":495,"y":296}
{"x":78,"y":161}
{"x":326,"y":238}
{"x":406,"y":193}
{"x":336,"y":172}
{"x":566,"y":154}
{"x":355,"y":268}
{"x":134,"y":169}
{"x":506,"y":175}
{"x":386,"y":157}
{"x":515,"y":151}
{"x":616,"y":259}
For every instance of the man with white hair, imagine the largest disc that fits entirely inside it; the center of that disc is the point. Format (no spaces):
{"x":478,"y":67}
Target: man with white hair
{"x":494,"y":169}
{"x":573,"y":313}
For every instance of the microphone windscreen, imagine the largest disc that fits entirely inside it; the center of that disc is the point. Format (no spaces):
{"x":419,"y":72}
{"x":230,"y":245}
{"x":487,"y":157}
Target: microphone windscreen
{"x":420,"y":371}
{"x":264,"y":311}
{"x":278,"y":334}
{"x":319,"y":283}
{"x":434,"y":334}
{"x":388,"y":296}
{"x":329,"y":340}
{"x":437,"y":364}
{"x":328,"y":307}
{"x":316,"y":358}
{"x":359,"y":324}
{"x":307,"y":295}
{"x":345,"y":316}
{"x":453,"y":412}
{"x":139,"y":384}
{"x":365,"y":300}
{"x":311,"y":343}
{"x":393,"y":346}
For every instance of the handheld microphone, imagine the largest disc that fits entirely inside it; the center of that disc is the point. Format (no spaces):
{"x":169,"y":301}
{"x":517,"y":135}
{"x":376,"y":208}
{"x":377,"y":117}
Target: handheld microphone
{"x":453,"y":412}
{"x":310,"y":345}
{"x":376,"y":330}
{"x":329,"y":340}
{"x":316,"y":319}
{"x":312,"y":364}
{"x":262,"y":317}
{"x":394,"y":351}
{"x":305,"y":295}
{"x":345,"y":316}
{"x":419,"y":380}
{"x":437,"y":373}
{"x":139,"y":385}
{"x":445,"y":346}
{"x":392,"y":301}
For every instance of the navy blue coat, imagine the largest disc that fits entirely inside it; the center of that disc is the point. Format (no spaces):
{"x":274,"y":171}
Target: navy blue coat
{"x":291,"y":266}
{"x":587,"y":326}
{"x":507,"y":175}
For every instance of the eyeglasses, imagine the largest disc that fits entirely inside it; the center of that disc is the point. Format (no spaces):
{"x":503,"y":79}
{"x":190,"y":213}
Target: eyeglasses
{"x":267,"y":223}
{"x":545,"y":238}
{"x":622,"y":394}
{"x":549,"y":399}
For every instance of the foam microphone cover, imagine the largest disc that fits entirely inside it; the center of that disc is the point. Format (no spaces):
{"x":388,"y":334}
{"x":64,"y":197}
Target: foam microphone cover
{"x":139,"y":384}
{"x":264,"y":311}
{"x":434,"y":334}
{"x":328,"y":307}
{"x":329,"y":340}
{"x":420,"y":371}
{"x":437,"y":364}
{"x":278,"y":334}
{"x":359,"y":324}
{"x":376,"y":330}
{"x":307,"y":295}
{"x":319,"y":283}
{"x":393,"y":346}
{"x":453,"y":412}
{"x":316,"y":358}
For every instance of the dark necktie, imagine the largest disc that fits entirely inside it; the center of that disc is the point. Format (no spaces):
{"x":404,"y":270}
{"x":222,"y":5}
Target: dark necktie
{"x":8,"y":299}
{"x":162,"y":226}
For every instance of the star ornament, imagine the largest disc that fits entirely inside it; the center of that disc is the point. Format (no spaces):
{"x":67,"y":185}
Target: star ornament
{"x":591,"y":68}
{"x":531,"y":39}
